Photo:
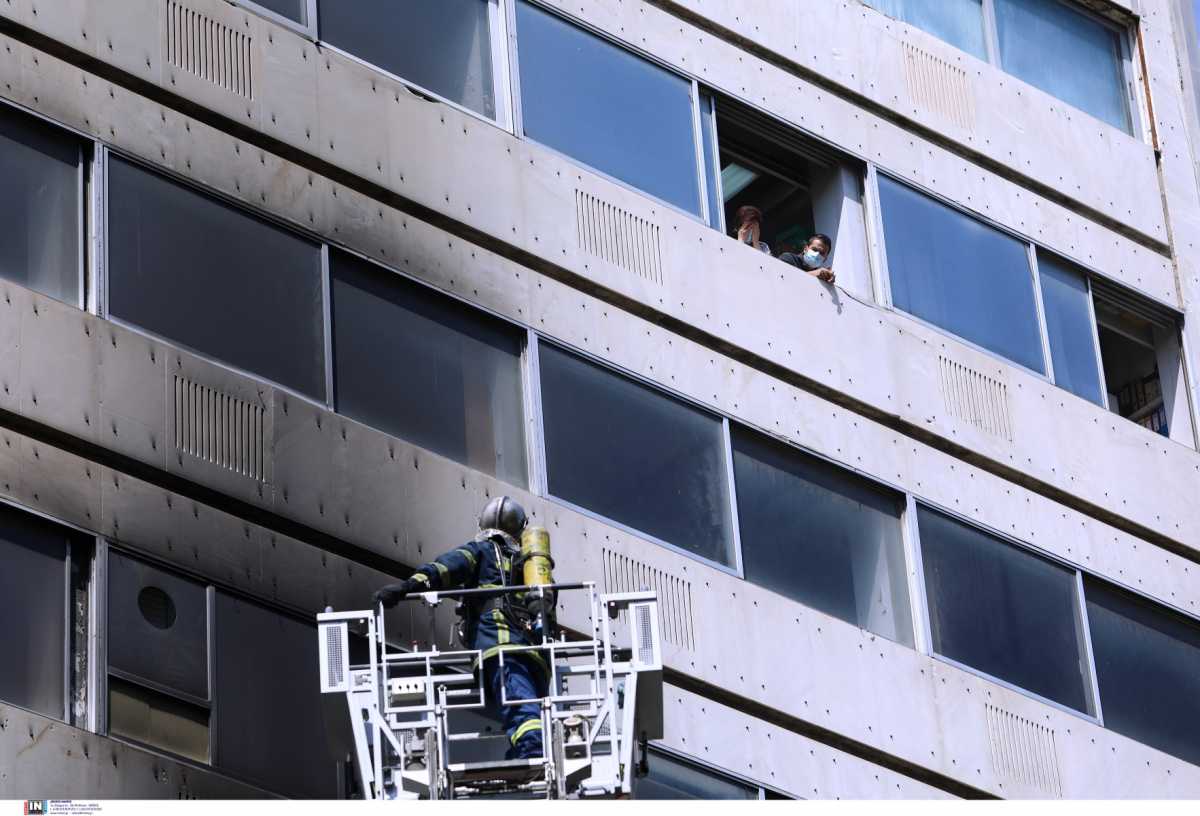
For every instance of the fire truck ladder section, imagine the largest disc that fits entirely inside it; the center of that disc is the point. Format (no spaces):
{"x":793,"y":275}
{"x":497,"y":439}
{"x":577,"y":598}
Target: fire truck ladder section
{"x":393,"y":714}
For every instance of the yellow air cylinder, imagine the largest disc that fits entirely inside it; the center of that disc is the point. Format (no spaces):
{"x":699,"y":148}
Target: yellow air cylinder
{"x":535,"y":547}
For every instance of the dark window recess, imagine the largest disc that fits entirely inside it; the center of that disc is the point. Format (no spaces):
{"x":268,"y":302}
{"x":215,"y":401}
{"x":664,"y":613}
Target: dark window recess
{"x":1131,"y":349}
{"x":158,"y":627}
{"x":269,"y":726}
{"x":817,"y":534}
{"x":159,"y":720}
{"x":422,"y":366}
{"x":214,"y":278}
{"x":41,"y":206}
{"x":633,"y":454}
{"x":671,"y":777}
{"x":443,"y":46}
{"x":33,"y":634}
{"x":1148,"y":669}
{"x":606,"y":107}
{"x":1004,"y":611}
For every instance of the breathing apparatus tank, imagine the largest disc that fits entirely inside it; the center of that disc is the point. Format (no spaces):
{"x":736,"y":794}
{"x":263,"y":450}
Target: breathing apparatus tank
{"x":537,"y":566}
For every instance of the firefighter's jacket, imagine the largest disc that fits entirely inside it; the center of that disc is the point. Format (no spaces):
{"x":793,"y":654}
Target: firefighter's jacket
{"x":472,"y":565}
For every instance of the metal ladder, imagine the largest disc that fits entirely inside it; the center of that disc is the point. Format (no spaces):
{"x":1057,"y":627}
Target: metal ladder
{"x":395,"y":720}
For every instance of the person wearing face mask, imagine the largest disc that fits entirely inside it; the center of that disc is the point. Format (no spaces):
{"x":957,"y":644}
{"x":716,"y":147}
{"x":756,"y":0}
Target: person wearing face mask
{"x":812,"y":259}
{"x":749,"y":219}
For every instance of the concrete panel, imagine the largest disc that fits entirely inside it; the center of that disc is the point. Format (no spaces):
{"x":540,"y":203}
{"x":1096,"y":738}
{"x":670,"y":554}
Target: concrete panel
{"x":132,"y":400}
{"x":44,"y":758}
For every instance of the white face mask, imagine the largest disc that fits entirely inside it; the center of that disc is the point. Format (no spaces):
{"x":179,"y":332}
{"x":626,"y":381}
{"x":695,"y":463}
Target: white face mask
{"x":813,"y":259}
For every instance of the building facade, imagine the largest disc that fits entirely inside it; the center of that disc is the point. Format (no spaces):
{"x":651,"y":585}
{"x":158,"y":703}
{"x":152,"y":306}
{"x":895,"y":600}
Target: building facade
{"x":292,"y":287}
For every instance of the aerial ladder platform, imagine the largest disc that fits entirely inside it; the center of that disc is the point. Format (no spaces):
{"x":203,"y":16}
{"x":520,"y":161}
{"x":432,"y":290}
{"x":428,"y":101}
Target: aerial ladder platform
{"x":395,"y":712}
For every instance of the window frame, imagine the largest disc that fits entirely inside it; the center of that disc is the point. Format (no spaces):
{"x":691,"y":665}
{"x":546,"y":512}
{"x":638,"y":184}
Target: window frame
{"x":667,"y":393}
{"x":308,"y":31}
{"x":1135,"y":108}
{"x":1091,"y":685}
{"x":878,"y":257}
{"x":705,"y":766}
{"x":103,"y":267}
{"x":499,"y":28}
{"x":517,"y":119}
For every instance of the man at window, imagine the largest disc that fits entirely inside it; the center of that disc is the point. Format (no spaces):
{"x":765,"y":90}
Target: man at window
{"x":813,"y":257}
{"x":749,"y":219}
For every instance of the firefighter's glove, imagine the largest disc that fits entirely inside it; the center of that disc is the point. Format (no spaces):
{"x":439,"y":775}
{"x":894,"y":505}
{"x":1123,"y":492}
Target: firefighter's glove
{"x":392,"y":594}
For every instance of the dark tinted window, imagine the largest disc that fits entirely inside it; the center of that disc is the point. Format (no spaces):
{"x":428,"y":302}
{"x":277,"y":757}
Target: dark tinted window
{"x":956,"y":272}
{"x":821,"y":536}
{"x":158,"y":627}
{"x":1068,"y":307}
{"x":443,"y":46}
{"x":40,"y":206}
{"x":269,"y":725}
{"x":1003,"y":611}
{"x":422,"y":366}
{"x":1148,"y":670}
{"x":635,"y":455}
{"x":670,"y":777}
{"x":33,"y":626}
{"x":214,"y":278}
{"x":594,"y":101}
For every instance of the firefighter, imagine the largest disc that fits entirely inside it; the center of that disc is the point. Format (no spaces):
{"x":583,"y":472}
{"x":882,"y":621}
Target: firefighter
{"x":491,"y":559}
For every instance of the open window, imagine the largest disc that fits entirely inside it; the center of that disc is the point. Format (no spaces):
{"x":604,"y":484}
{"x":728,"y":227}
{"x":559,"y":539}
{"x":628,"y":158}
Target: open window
{"x":801,"y":186}
{"x":1115,"y":348}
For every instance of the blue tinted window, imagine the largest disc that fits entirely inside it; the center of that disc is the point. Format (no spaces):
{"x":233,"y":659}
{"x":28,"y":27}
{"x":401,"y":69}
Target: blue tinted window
{"x":956,"y":272}
{"x":1068,"y":306}
{"x":443,"y":46}
{"x":1148,"y":670}
{"x":958,"y":22}
{"x":635,"y":455}
{"x":296,"y":10}
{"x":1003,"y":610}
{"x":606,"y":107}
{"x":1067,"y":53}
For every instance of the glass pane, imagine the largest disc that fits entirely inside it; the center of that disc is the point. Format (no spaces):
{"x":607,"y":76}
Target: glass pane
{"x":820,"y":535}
{"x":443,"y":46}
{"x":958,"y":22}
{"x":1003,"y":611}
{"x":1067,"y":53}
{"x":711,"y":165}
{"x":1068,"y":306}
{"x":606,"y":107}
{"x":40,"y":206}
{"x":635,"y":455}
{"x":33,"y":571}
{"x":672,"y":778}
{"x":958,"y":273}
{"x":214,"y":278}
{"x":158,"y":626}
{"x":1148,"y":670}
{"x":269,"y":723}
{"x":151,"y":718}
{"x":422,"y":366}
{"x":292,"y":9}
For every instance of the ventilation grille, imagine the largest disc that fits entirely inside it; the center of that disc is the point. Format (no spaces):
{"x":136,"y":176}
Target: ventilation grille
{"x":975,"y":398}
{"x":624,"y":574}
{"x":1023,"y":752}
{"x":645,"y":634}
{"x":619,"y":237}
{"x":220,"y":429}
{"x":209,"y":50}
{"x":939,"y":87}
{"x":334,"y":658}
